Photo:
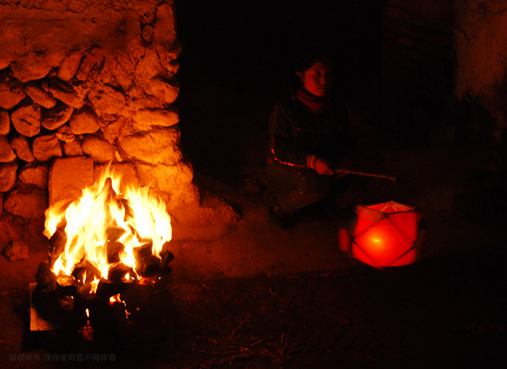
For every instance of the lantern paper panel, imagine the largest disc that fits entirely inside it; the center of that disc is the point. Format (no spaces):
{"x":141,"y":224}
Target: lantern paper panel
{"x":385,"y":235}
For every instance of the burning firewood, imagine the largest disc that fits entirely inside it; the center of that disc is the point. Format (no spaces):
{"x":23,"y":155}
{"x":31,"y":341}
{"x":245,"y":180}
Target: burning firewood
{"x":45,"y":277}
{"x":121,"y":273}
{"x":114,"y":247}
{"x":66,"y":303}
{"x":108,"y":251}
{"x":85,"y":272}
{"x":66,"y":285}
{"x":57,"y":244}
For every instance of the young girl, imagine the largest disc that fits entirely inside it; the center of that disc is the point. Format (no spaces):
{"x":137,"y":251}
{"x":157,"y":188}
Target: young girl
{"x":309,"y":138}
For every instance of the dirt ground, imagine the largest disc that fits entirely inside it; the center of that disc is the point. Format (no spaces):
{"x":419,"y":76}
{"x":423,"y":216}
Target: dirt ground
{"x":444,"y":312}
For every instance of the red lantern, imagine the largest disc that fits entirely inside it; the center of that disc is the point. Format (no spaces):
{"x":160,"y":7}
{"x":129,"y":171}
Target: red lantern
{"x":385,"y":235}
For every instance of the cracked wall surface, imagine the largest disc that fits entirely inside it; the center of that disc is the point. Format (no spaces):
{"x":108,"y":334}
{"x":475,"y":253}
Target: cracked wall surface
{"x":416,"y":66}
{"x":57,"y":26}
{"x":480,"y":44}
{"x":435,"y":51}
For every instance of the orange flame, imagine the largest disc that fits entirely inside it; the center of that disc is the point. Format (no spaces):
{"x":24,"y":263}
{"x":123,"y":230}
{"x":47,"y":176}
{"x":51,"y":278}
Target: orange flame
{"x":105,"y":216}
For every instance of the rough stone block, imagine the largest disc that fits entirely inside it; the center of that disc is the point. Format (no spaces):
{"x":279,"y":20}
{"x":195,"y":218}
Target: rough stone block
{"x":18,"y":250}
{"x":7,"y":176}
{"x":147,"y":33}
{"x":69,"y":66}
{"x":27,"y":119}
{"x":99,"y":150}
{"x":106,"y":100}
{"x":72,"y":148}
{"x":168,"y":178}
{"x":91,"y":61}
{"x":149,"y":66}
{"x":153,"y":147}
{"x":26,"y":203}
{"x":113,"y":130}
{"x":166,"y":89}
{"x":124,"y":73}
{"x":37,"y":176}
{"x":40,"y":96}
{"x":47,"y":147}
{"x":164,"y":28}
{"x":11,"y":228}
{"x":156,"y":117}
{"x":84,"y":121}
{"x":64,"y":92}
{"x":140,"y":99}
{"x":57,"y":117}
{"x":5,"y":122}
{"x":11,"y":91}
{"x":168,"y":55}
{"x":64,"y":134}
{"x":21,"y":145}
{"x":30,"y":68}
{"x":172,"y":67}
{"x":4,"y":62}
{"x":6,"y":153}
{"x":68,"y":177}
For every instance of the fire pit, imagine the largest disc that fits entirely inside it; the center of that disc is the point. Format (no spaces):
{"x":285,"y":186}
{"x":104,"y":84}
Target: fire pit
{"x":109,"y":252}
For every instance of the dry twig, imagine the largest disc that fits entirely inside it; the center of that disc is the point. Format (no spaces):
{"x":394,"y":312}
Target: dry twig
{"x":229,"y":349}
{"x":239,"y":327}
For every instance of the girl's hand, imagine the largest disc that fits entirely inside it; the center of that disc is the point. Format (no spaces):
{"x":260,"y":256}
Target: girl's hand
{"x":324,"y":167}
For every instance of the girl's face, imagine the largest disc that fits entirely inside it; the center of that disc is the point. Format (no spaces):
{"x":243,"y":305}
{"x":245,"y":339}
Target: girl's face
{"x":319,"y":78}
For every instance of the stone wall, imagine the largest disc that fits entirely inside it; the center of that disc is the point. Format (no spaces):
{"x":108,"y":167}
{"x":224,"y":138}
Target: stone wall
{"x":82,"y":84}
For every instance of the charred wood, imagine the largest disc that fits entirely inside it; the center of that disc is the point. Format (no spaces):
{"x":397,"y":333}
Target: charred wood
{"x":57,"y":244}
{"x":121,"y":273}
{"x":45,"y":278}
{"x":66,"y":285}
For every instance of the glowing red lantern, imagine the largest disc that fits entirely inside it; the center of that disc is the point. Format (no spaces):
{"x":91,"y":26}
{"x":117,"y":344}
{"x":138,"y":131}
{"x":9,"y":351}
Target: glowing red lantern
{"x":385,"y":235}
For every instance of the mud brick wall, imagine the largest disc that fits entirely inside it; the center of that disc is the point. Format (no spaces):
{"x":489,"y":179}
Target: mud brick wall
{"x":436,"y":52}
{"x":480,"y":43}
{"x":417,"y":64}
{"x":82,"y":84}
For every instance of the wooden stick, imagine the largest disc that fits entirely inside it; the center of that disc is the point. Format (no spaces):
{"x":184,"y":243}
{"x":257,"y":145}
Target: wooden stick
{"x":346,"y":171}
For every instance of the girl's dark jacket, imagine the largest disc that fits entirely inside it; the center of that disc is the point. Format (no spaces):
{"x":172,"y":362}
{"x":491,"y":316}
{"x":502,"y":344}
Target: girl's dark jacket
{"x":296,"y":133}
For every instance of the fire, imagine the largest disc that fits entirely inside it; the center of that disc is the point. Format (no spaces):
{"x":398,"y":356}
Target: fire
{"x":115,"y":299}
{"x":110,"y":225}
